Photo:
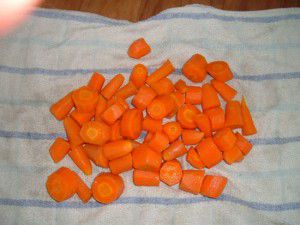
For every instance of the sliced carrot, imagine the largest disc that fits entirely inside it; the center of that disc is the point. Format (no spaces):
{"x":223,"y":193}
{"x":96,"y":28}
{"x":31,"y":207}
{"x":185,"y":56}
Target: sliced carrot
{"x":209,"y":153}
{"x":107,"y":187}
{"x":113,"y":86}
{"x":178,"y":100}
{"x":175,"y":150}
{"x":225,"y":139}
{"x":163,"y":87}
{"x":148,"y":137}
{"x":172,"y":130}
{"x":81,"y":117}
{"x":117,"y":100}
{"x":233,"y":155}
{"x":96,"y":82}
{"x":135,"y":144}
{"x":131,"y":124}
{"x":160,"y":107}
{"x":216,"y":117}
{"x":95,"y":132}
{"x":191,"y":137}
{"x":139,"y":75}
{"x":145,"y":178}
{"x":113,"y":113}
{"x":213,"y":186}
{"x":100,"y":108}
{"x":194,"y":68}
{"x":121,"y":164}
{"x":80,"y":158}
{"x":73,"y":130}
{"x":233,"y":115}
{"x":203,"y":123}
{"x":226,"y":92}
{"x":243,"y":144}
{"x":116,"y":149}
{"x":138,"y":48}
{"x":193,"y":158}
{"x":192,"y":181}
{"x":193,"y":95}
{"x":95,"y":153}
{"x":171,"y":172}
{"x":126,"y":91}
{"x":209,"y":97}
{"x":83,"y":191}
{"x":85,"y":99}
{"x":59,"y":149}
{"x":61,"y":108}
{"x":181,"y":86}
{"x":116,"y":131}
{"x":163,"y":71}
{"x":248,"y":124}
{"x":219,"y":70}
{"x":151,"y":125}
{"x":159,"y":141}
{"x":143,"y":98}
{"x":186,"y":115}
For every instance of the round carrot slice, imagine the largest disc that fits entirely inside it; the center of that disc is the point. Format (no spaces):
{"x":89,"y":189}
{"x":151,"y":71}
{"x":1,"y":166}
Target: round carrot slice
{"x":85,"y":99}
{"x":131,"y":124}
{"x":186,"y":115}
{"x":171,"y":172}
{"x":95,"y":132}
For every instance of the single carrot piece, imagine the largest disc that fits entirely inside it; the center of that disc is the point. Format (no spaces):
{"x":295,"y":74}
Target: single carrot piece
{"x":80,"y":158}
{"x":116,"y":149}
{"x":121,"y":164}
{"x":233,"y":155}
{"x":181,"y":86}
{"x":139,"y":75}
{"x":107,"y":187}
{"x":192,"y":181}
{"x":128,"y":90}
{"x":243,"y":144}
{"x":159,"y":141}
{"x":160,"y":107}
{"x":163,"y":87}
{"x":85,"y":99}
{"x":61,"y":108}
{"x":171,"y":172}
{"x":96,"y":82}
{"x":100,"y":108}
{"x":194,"y":68}
{"x":113,"y":113}
{"x":95,"y":132}
{"x":113,"y":86}
{"x":193,"y":95}
{"x":117,"y":100}
{"x":163,"y":71}
{"x":59,"y":149}
{"x":138,"y":49}
{"x":95,"y":153}
{"x":248,"y":124}
{"x":151,"y":125}
{"x":81,"y":117}
{"x":191,"y":137}
{"x":213,"y":186}
{"x":145,"y":178}
{"x":131,"y":124}
{"x":178,"y":100}
{"x":143,"y":98}
{"x":144,"y":158}
{"x":62,"y":184}
{"x":203,"y":123}
{"x":83,"y":191}
{"x":209,"y":97}
{"x":233,"y":115}
{"x":193,"y":158}
{"x":209,"y":153}
{"x":172,"y":130}
{"x":225,"y":139}
{"x":226,"y":92}
{"x":148,"y":137}
{"x":116,"y":132}
{"x":219,"y":70}
{"x":186,"y":115}
{"x":216,"y":117}
{"x":175,"y":150}
{"x":73,"y":130}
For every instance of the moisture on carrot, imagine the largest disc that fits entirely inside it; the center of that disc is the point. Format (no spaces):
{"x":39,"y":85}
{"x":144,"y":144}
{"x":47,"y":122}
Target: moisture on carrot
{"x":138,"y":49}
{"x":194,"y":68}
{"x":113,"y":86}
{"x":163,"y":71}
{"x":59,"y":149}
{"x":219,"y":70}
{"x":62,"y":108}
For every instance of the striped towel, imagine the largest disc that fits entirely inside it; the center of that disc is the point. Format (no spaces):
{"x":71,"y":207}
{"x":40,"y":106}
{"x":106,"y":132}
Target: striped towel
{"x":56,"y":51}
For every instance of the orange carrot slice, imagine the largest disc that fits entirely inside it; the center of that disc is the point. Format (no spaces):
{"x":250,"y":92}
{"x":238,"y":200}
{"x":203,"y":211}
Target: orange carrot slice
{"x":192,"y":181}
{"x":219,"y":70}
{"x":171,"y":172}
{"x":121,"y":164}
{"x":96,"y":82}
{"x":145,"y":178}
{"x":143,"y":98}
{"x":248,"y":124}
{"x":193,"y":158}
{"x":113,"y":86}
{"x":233,"y":115}
{"x":138,"y":49}
{"x":209,"y":153}
{"x":85,"y":99}
{"x":191,"y":137}
{"x":95,"y":132}
{"x":175,"y":150}
{"x":163,"y":71}
{"x":209,"y":97}
{"x":131,"y":124}
{"x":213,"y":186}
{"x":80,"y":158}
{"x":226,"y":92}
{"x":216,"y":117}
{"x":225,"y":139}
{"x":194,"y":68}
{"x":95,"y":153}
{"x":62,"y":108}
{"x":59,"y":149}
{"x":139,"y":75}
{"x":172,"y":130}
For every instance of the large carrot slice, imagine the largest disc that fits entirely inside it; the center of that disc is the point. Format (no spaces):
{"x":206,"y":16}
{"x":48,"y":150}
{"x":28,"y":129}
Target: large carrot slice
{"x":163,"y":71}
{"x":193,"y":95}
{"x":209,"y":153}
{"x":85,"y":99}
{"x":81,"y":117}
{"x":171,"y":172}
{"x":172,"y":130}
{"x":216,"y":117}
{"x":95,"y":132}
{"x":62,"y":108}
{"x":126,"y":91}
{"x":131,"y":124}
{"x":145,"y":178}
{"x":159,"y":141}
{"x":186,"y":116}
{"x":225,"y":139}
{"x":151,"y":125}
{"x":160,"y":107}
{"x":163,"y":86}
{"x":219,"y":70}
{"x":203,"y":123}
{"x":138,"y":48}
{"x":83,"y":191}
{"x":113,"y":113}
{"x":233,"y":155}
{"x":194,"y":68}
{"x":192,"y":181}
{"x":213,"y":186}
{"x":248,"y":124}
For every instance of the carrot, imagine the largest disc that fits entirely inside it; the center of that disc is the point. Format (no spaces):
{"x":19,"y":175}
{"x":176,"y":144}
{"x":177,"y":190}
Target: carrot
{"x":143,"y":98}
{"x":159,"y":141}
{"x":209,"y":153}
{"x":131,"y":124}
{"x":175,"y":150}
{"x":194,"y":68}
{"x":126,"y":91}
{"x":145,"y":178}
{"x":135,"y":144}
{"x":191,"y":137}
{"x":83,"y":191}
{"x":192,"y":181}
{"x":233,"y":115}
{"x":163,"y":86}
{"x":107,"y":187}
{"x":203,"y":123}
{"x":80,"y":158}
{"x":85,"y":99}
{"x":172,"y":130}
{"x":116,"y":149}
{"x":113,"y":113}
{"x":139,"y":75}
{"x":213,"y":186}
{"x":81,"y":117}
{"x":148,"y":137}
{"x":117,"y":100}
{"x":171,"y":172}
{"x":243,"y":144}
{"x":116,"y":132}
{"x":209,"y":97}
{"x":151,"y":125}
{"x":121,"y":164}
{"x":113,"y":85}
{"x":144,"y":158}
{"x":72,"y":130}
{"x":226,"y":92}
{"x":62,"y":184}
{"x":160,"y":107}
{"x":193,"y":95}
{"x":59,"y":149}
{"x":101,"y":106}
{"x":178,"y":99}
{"x":181,"y":86}
{"x":61,"y":108}
{"x":248,"y":124}
{"x":185,"y":116}
{"x":95,"y":132}
{"x":95,"y":153}
{"x":216,"y":117}
{"x":225,"y":139}
{"x":138,"y":49}
{"x":233,"y":155}
{"x":96,"y":82}
{"x":193,"y":158}
{"x":219,"y":70}
{"x":163,"y":71}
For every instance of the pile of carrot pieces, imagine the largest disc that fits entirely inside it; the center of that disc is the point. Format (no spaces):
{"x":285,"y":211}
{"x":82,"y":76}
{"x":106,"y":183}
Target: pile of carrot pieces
{"x":102,"y":128}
